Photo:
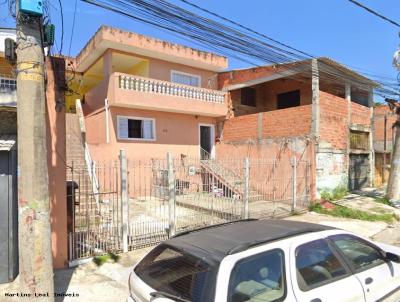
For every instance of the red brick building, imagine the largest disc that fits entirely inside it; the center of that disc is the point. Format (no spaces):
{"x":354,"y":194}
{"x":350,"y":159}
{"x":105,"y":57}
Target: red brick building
{"x":318,"y":110}
{"x":383,"y":142}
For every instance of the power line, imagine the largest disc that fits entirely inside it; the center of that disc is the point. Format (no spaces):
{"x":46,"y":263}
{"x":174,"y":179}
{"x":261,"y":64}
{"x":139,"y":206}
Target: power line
{"x":374,"y":12}
{"x":73,"y":28}
{"x":216,"y":35}
{"x":62,"y":25}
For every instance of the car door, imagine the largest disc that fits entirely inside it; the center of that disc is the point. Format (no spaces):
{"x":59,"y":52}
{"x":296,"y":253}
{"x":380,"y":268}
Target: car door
{"x":259,"y":274}
{"x":319,"y":273}
{"x":378,"y":276}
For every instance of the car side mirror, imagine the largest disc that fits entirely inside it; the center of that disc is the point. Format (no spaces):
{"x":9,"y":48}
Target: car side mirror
{"x":392,"y":257}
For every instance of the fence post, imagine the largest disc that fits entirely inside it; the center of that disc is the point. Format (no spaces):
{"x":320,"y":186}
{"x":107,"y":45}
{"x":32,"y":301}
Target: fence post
{"x":246,"y":188}
{"x":294,"y":183}
{"x":171,"y":195}
{"x":124,"y":200}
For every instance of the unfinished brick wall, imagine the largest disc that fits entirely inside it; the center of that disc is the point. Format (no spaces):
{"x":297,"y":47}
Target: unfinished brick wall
{"x":267,"y":96}
{"x":360,"y":114}
{"x":290,"y":122}
{"x":379,"y":123}
{"x":333,"y":121}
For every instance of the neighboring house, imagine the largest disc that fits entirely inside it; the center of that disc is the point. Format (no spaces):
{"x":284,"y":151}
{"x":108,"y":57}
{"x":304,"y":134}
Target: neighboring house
{"x":384,"y":132}
{"x":55,"y":118}
{"x":274,"y":109}
{"x":147,"y":96}
{"x":150,"y":97}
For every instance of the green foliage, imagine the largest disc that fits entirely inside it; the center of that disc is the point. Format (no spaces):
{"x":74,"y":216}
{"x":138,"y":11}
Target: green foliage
{"x":344,"y":212}
{"x":383,"y":200}
{"x":336,"y":194}
{"x":100,"y":260}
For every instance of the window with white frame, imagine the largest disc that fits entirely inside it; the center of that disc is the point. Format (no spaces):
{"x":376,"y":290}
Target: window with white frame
{"x":136,"y":128}
{"x":185,"y":78}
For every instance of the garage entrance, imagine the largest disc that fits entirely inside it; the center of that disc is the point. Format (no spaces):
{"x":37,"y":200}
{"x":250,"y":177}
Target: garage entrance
{"x":359,"y":169}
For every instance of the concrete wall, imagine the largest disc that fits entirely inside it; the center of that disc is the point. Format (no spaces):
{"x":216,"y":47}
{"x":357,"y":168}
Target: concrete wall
{"x":56,"y":159}
{"x":332,"y":157}
{"x":176,"y":133}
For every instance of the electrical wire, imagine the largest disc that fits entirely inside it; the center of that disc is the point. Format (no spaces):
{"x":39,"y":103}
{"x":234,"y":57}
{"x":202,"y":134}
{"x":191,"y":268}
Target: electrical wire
{"x":73,"y":28}
{"x":164,"y":15}
{"x":62,"y":26}
{"x":374,"y":12}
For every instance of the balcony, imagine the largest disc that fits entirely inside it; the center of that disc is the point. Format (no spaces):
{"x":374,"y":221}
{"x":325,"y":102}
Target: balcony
{"x":144,"y":93}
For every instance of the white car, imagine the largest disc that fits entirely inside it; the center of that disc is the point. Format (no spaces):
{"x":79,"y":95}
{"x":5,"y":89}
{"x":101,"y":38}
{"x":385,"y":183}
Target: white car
{"x":267,"y":260}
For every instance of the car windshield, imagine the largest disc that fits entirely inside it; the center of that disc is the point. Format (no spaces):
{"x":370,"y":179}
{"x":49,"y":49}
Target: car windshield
{"x":169,"y":270}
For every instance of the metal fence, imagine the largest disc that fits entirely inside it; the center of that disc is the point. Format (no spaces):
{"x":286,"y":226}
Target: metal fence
{"x":140,"y":203}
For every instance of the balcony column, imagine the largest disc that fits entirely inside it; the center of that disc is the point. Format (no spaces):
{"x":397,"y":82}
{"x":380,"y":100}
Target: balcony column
{"x":315,"y":99}
{"x":107,"y":64}
{"x":371,"y":138}
{"x":347,"y":95}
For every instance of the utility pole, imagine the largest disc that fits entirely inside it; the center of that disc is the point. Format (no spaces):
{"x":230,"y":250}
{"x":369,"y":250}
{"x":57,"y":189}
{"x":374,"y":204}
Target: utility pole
{"x":393,"y":186}
{"x":35,"y":256}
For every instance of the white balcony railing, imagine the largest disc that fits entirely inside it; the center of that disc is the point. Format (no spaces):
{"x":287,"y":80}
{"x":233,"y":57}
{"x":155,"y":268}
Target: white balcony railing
{"x":8,"y":90}
{"x":168,"y":88}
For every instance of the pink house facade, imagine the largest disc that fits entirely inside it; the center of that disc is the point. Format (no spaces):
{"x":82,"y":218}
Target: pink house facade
{"x":148,"y":97}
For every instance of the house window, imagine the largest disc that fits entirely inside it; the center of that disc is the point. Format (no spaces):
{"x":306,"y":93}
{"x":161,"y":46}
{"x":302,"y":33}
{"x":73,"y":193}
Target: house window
{"x":136,"y":128}
{"x":7,"y":84}
{"x":359,"y":140}
{"x":248,"y":96}
{"x":185,"y":78}
{"x":288,"y":99}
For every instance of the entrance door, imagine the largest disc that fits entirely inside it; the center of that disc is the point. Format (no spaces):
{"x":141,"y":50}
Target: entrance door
{"x":206,"y":141}
{"x":358,"y":171}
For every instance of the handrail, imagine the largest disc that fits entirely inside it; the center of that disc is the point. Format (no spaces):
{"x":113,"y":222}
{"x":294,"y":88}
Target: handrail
{"x":142,"y":84}
{"x":90,"y":164}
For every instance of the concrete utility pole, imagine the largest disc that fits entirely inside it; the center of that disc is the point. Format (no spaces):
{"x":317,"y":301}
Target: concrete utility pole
{"x":393,"y":187}
{"x":35,"y":256}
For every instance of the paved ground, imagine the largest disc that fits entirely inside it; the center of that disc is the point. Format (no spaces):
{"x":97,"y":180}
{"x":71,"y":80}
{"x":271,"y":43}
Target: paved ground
{"x":109,"y":282}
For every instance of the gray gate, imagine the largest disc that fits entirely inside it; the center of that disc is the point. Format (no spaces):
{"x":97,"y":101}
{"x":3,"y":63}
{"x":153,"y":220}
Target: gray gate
{"x":8,"y":215}
{"x":145,"y":202}
{"x":359,"y":169}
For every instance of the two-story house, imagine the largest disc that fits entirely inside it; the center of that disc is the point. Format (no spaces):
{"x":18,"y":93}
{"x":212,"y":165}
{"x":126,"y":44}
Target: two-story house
{"x":147,"y":96}
{"x":317,"y":109}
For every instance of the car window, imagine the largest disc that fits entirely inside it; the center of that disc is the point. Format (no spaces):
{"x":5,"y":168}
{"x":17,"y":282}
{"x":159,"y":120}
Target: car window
{"x":259,"y":278}
{"x":359,"y":252}
{"x":316,"y":265}
{"x":180,"y":274}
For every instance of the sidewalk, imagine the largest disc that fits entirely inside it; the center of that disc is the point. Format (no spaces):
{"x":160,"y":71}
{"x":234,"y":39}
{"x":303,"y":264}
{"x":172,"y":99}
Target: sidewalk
{"x":109,"y":282}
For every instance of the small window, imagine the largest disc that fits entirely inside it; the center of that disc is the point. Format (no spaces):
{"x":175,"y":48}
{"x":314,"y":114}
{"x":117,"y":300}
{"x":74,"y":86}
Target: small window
{"x":248,"y":96}
{"x":136,"y":128}
{"x":259,"y":278}
{"x":360,"y":253}
{"x":180,"y":274}
{"x":185,"y":78}
{"x":359,"y":140}
{"x":288,"y":99}
{"x":317,"y":265}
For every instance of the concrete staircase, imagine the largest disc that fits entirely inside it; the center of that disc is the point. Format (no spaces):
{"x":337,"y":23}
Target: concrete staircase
{"x":77,"y":170}
{"x":227,"y":177}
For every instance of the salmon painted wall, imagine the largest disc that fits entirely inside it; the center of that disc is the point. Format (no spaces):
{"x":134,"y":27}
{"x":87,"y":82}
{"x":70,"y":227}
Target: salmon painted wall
{"x":176,"y":133}
{"x":56,"y":160}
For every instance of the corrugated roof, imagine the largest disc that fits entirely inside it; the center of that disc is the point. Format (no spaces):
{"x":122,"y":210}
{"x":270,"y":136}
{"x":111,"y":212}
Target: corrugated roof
{"x":7,"y":142}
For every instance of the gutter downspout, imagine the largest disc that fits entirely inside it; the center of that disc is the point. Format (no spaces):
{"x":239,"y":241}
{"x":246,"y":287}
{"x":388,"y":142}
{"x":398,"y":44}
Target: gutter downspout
{"x":107,"y":123}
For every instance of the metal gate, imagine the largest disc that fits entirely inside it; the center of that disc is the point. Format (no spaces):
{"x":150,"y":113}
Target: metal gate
{"x":8,"y":212}
{"x":359,"y":170}
{"x":140,"y":203}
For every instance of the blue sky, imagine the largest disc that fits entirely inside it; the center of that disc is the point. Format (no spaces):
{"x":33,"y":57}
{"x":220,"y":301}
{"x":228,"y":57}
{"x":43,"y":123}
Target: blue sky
{"x":333,"y":28}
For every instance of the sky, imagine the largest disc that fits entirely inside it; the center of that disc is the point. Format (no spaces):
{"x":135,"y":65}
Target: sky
{"x":334,"y":28}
